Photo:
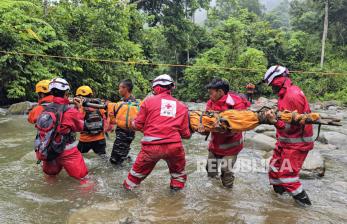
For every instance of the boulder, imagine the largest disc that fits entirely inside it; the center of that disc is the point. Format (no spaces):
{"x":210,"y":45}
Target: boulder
{"x":327,"y":104}
{"x":261,"y":142}
{"x":262,"y":101}
{"x":20,"y":108}
{"x":314,"y":165}
{"x":3,"y":112}
{"x":334,"y":138}
{"x":271,"y":134}
{"x":341,"y":115}
{"x":316,"y":106}
{"x":333,"y":108}
{"x":264,"y":128}
{"x":324,"y":147}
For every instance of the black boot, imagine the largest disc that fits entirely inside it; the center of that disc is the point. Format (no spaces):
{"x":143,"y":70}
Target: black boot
{"x":279,"y":189}
{"x":116,"y":162}
{"x":302,"y":199}
{"x":227,"y":179}
{"x":175,"y":189}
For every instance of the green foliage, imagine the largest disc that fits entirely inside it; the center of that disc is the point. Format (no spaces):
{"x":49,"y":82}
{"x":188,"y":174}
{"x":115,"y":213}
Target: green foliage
{"x":237,"y":34}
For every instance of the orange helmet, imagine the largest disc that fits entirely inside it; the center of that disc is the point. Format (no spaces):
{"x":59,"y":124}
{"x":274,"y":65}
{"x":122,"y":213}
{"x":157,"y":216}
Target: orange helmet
{"x":42,"y":86}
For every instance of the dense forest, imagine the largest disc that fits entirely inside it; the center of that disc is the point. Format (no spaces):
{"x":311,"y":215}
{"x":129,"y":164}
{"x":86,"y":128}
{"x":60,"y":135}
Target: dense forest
{"x":138,"y":39}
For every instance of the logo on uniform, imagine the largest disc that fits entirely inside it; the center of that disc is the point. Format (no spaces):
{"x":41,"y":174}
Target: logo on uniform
{"x":168,"y":108}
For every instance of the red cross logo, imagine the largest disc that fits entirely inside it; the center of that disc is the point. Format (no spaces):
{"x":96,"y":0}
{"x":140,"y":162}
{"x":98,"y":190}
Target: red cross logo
{"x":168,"y":106}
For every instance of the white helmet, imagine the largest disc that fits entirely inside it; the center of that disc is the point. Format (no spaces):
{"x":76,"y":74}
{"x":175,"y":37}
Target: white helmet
{"x":59,"y":83}
{"x":273,"y":72}
{"x":163,"y":80}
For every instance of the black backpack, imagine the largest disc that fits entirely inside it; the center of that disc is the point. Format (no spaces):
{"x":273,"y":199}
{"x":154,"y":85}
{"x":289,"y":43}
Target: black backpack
{"x":93,"y":121}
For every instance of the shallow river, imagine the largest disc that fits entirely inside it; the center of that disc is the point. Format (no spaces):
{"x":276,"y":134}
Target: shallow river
{"x":27,"y":196}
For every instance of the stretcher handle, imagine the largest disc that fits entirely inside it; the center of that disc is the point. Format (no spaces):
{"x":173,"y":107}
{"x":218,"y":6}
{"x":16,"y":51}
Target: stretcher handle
{"x":95,"y":105}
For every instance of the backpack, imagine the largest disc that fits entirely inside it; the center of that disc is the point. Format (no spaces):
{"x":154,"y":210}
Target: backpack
{"x":124,"y":112}
{"x":49,"y":143}
{"x":93,"y":121}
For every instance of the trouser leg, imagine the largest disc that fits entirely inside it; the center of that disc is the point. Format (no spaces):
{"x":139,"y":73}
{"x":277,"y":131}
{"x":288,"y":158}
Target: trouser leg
{"x":176,"y":162}
{"x":143,"y":166}
{"x":227,"y":176}
{"x":212,"y":165}
{"x":285,"y":167}
{"x":121,"y":146}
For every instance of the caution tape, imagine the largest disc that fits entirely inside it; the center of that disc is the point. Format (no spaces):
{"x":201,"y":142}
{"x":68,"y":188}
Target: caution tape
{"x":162,"y":64}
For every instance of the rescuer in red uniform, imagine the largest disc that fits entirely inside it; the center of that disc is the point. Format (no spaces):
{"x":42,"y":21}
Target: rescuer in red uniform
{"x":294,"y":141}
{"x":69,"y":122}
{"x":224,"y":146}
{"x":164,"y":121}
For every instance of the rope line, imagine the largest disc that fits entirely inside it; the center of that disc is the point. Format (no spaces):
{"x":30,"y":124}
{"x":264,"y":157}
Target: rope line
{"x":160,"y":64}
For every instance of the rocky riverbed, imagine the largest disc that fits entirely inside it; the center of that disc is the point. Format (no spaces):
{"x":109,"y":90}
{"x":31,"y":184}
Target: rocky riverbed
{"x":28,"y":196}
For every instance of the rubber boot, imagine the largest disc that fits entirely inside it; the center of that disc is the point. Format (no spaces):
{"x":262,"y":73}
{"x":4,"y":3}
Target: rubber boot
{"x":175,"y":189}
{"x":302,"y":199}
{"x":279,"y":189}
{"x":227,"y":179}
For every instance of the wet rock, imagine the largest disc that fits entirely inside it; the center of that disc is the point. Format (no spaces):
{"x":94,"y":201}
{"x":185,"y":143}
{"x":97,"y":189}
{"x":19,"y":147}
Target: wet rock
{"x":324,"y":147}
{"x":316,"y":106}
{"x":20,"y":108}
{"x":333,"y":108}
{"x":271,"y":134}
{"x":260,"y":142}
{"x":334,"y":138}
{"x":314,"y":165}
{"x":341,"y":115}
{"x":264,"y":102}
{"x":264,"y":128}
{"x":327,"y":104}
{"x":3,"y":112}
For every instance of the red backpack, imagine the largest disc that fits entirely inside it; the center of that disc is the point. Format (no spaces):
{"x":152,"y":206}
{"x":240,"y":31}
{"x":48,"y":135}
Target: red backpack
{"x":49,"y":143}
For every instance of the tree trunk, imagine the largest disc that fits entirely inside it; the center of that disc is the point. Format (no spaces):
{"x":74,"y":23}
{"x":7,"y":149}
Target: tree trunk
{"x":325,"y":32}
{"x":45,"y":7}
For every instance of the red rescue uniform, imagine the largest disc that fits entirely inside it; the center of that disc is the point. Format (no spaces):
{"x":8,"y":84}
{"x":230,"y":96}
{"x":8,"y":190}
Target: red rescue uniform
{"x":227,"y":144}
{"x":293,"y":141}
{"x":164,"y":121}
{"x":71,"y":159}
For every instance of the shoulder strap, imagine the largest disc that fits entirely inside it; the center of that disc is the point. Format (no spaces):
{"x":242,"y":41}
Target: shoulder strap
{"x":115,"y":112}
{"x":60,"y":109}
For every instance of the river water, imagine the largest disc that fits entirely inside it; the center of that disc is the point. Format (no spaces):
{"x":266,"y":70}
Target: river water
{"x":27,"y":196}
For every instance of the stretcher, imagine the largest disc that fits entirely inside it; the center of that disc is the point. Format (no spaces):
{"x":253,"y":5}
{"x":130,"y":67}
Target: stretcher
{"x":123,"y":113}
{"x":245,"y":120}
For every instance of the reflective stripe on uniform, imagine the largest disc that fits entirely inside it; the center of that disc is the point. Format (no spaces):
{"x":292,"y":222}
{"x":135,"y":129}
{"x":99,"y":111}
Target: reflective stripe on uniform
{"x":176,"y":175}
{"x":230,"y":145}
{"x":180,"y":179}
{"x":296,"y":140}
{"x":297,"y":191}
{"x":150,"y":139}
{"x":71,"y":146}
{"x":138,"y":175}
{"x":284,"y":180}
{"x":274,"y":169}
{"x":130,"y":183}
